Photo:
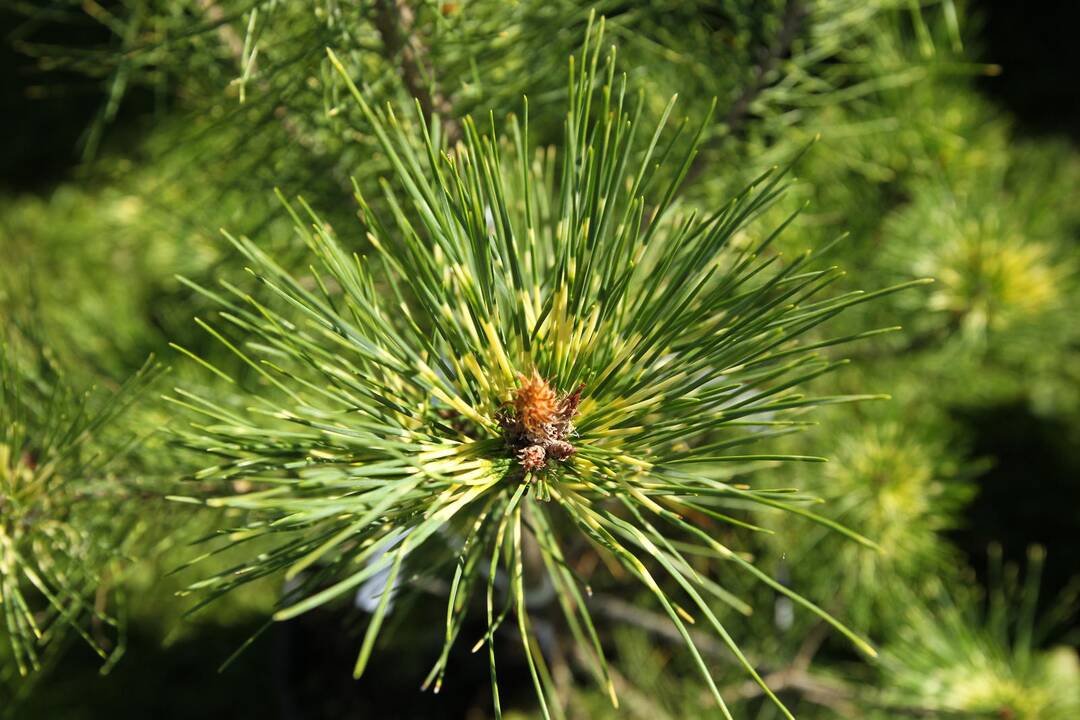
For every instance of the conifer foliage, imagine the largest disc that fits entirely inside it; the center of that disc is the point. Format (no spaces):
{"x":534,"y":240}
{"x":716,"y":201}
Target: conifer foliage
{"x":60,"y":538}
{"x":545,"y":357}
{"x":567,"y":387}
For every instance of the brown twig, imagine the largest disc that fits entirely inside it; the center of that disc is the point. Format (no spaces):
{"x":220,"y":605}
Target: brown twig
{"x":395,"y":21}
{"x":225,"y":31}
{"x":235,"y":46}
{"x":659,"y":625}
{"x":634,"y":702}
{"x":818,"y":690}
{"x":797,"y":678}
{"x":810,"y":645}
{"x":769,"y":58}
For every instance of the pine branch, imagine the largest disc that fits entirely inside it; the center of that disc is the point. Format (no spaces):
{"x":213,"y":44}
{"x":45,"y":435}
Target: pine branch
{"x":516,"y":374}
{"x":232,"y":40}
{"x":235,"y":46}
{"x":395,"y":21}
{"x":769,"y":58}
{"x":55,"y":551}
{"x":656,"y":624}
{"x":818,"y":690}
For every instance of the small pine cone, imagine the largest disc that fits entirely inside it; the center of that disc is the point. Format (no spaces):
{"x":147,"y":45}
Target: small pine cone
{"x":532,"y":458}
{"x":560,"y":449}
{"x":537,"y":406}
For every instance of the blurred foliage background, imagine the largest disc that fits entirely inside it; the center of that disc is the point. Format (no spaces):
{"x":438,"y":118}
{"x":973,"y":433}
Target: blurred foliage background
{"x":946,"y":148}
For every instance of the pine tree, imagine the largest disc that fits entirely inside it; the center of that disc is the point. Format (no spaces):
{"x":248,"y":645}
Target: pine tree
{"x":546,"y":346}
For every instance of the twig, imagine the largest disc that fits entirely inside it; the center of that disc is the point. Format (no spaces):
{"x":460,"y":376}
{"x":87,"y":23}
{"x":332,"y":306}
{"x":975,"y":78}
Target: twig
{"x":634,"y":702}
{"x":770,"y":57}
{"x":737,"y":114}
{"x":820,"y":691}
{"x":235,"y":45}
{"x":658,"y":625}
{"x":828,"y":693}
{"x":810,"y":645}
{"x":228,"y":35}
{"x":395,"y":20}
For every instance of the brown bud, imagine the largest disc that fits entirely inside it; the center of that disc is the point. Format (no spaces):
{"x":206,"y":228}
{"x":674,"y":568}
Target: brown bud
{"x":532,"y":457}
{"x":536,"y":404}
{"x":560,"y":449}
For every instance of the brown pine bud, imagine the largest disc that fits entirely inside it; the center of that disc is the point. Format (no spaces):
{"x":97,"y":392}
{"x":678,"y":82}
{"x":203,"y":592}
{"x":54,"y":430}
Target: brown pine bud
{"x":537,"y":407}
{"x":560,"y":449}
{"x":532,"y":457}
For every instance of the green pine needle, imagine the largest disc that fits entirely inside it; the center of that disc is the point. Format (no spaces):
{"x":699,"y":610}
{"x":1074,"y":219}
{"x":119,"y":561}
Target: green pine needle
{"x":387,"y":424}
